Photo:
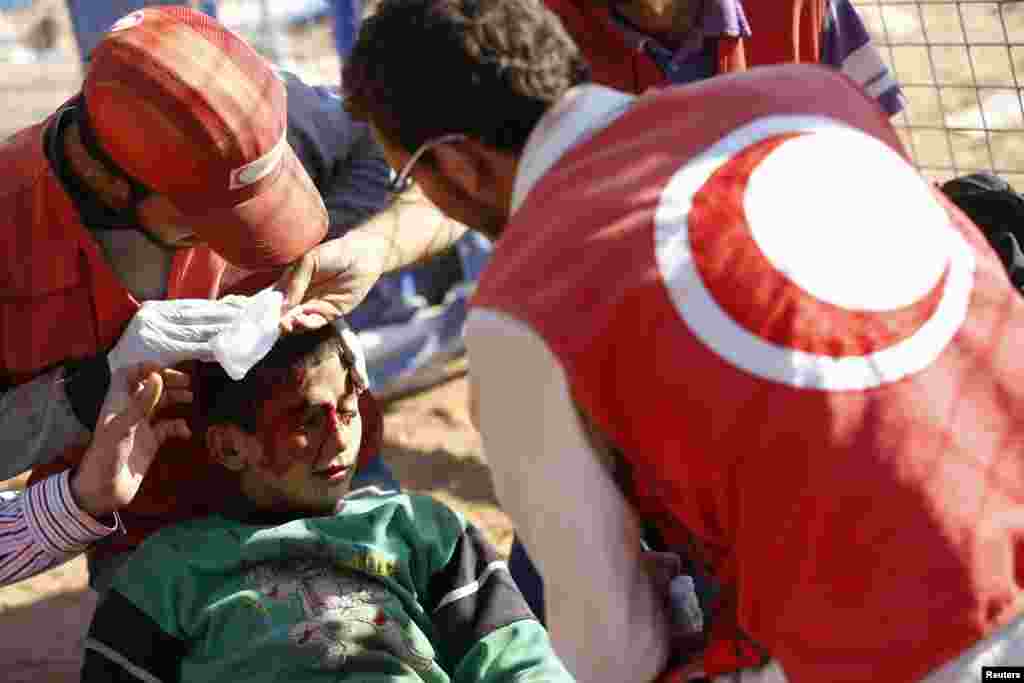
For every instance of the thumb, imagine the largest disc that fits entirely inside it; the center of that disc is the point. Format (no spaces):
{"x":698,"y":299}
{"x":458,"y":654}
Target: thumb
{"x":144,"y":399}
{"x":296,"y":279}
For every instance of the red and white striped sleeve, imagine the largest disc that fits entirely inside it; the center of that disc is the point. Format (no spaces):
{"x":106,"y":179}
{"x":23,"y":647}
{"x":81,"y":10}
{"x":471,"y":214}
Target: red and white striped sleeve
{"x":44,"y":527}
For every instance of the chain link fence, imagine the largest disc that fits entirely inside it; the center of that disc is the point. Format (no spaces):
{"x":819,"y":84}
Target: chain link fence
{"x":960,"y":62}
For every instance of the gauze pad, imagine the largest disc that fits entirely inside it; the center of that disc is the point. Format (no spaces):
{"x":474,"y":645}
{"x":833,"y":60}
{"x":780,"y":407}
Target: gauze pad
{"x":251,"y":336}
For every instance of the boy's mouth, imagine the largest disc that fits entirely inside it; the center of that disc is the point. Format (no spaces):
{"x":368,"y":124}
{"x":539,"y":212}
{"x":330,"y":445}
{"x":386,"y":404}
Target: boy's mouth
{"x":334,"y":473}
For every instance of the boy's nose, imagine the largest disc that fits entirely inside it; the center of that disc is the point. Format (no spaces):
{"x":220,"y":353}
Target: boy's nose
{"x":337,"y":430}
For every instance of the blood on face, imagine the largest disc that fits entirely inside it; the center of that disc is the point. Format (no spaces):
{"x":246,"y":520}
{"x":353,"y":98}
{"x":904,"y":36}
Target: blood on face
{"x":283,"y":423}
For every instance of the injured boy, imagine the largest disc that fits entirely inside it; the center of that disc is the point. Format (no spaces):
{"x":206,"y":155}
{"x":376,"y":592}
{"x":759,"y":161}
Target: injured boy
{"x":300,"y":580}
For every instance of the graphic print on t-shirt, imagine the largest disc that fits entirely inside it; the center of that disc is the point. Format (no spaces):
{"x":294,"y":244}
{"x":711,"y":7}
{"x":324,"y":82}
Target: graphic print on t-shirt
{"x":343,"y":616}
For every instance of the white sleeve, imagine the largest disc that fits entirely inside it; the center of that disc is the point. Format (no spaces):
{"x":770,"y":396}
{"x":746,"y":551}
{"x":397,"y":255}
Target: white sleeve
{"x":604,"y":614}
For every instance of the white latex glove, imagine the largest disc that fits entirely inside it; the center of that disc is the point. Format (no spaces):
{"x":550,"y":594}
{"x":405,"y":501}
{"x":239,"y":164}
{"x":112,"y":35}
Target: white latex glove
{"x":166,"y":333}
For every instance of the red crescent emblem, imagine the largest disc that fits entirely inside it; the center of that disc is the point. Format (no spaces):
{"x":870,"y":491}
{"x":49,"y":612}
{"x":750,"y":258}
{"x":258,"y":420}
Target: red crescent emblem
{"x":809,"y":253}
{"x":769,"y":303}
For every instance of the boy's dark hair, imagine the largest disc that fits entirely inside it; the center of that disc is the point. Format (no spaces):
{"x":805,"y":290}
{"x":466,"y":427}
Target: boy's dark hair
{"x":225,"y":401}
{"x":488,"y":69}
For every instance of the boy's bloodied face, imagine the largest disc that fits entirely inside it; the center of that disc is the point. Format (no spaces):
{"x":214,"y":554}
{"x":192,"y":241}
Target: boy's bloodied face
{"x":304,"y":452}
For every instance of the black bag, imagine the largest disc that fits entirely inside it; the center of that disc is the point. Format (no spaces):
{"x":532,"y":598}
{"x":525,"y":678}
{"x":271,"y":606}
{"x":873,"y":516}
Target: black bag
{"x":993,"y":205}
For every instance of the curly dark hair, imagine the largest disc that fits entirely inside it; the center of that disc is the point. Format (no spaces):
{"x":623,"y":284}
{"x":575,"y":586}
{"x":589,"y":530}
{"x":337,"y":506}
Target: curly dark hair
{"x":485,"y":68}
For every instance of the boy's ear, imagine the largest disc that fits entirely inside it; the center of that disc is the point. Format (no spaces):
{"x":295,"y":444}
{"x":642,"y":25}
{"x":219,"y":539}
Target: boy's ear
{"x":226,"y":444}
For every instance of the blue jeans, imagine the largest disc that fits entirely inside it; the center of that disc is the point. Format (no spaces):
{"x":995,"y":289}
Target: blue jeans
{"x":90,"y":19}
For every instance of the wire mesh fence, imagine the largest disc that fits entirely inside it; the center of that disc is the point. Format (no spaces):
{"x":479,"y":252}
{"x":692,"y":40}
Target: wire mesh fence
{"x":960,"y":62}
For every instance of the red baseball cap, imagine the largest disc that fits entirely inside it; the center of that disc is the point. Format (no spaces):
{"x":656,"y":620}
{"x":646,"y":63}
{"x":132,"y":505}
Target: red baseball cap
{"x":186,"y":107}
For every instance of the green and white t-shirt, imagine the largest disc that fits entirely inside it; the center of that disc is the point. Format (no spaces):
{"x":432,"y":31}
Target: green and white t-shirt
{"x":392,"y":588}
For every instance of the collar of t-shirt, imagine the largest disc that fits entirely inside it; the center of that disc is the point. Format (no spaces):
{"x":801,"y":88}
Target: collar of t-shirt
{"x":694,"y":59}
{"x":238,"y":507}
{"x":581,"y":112}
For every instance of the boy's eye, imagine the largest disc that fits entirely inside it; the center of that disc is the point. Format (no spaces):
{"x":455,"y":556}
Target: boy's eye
{"x":346,"y":417}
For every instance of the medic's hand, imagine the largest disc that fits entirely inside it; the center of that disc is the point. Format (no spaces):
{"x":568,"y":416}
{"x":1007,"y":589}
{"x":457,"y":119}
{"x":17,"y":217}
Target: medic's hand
{"x":331,"y":279}
{"x":126,"y":439}
{"x":166,"y":333}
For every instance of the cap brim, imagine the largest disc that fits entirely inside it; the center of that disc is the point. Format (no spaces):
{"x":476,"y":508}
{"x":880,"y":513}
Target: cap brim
{"x":284,"y":221}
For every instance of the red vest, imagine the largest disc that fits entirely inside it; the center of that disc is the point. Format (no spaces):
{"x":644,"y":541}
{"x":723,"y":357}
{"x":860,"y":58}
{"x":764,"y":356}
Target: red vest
{"x":839,"y":433}
{"x":781,"y":33}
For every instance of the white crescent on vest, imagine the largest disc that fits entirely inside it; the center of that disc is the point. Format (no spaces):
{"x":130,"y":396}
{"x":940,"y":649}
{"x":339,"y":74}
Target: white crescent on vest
{"x":845,"y":278}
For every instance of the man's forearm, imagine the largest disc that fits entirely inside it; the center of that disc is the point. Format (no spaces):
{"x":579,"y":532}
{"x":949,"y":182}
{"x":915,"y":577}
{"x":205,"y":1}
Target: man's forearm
{"x":415,"y":230}
{"x":37,"y":424}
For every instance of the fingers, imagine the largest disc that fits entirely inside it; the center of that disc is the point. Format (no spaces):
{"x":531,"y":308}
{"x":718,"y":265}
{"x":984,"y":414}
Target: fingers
{"x":320,"y":307}
{"x":176,"y":396}
{"x":177,"y":388}
{"x":171,"y":429}
{"x":303,"y":322}
{"x":138,"y":374}
{"x":295,"y":280}
{"x":176,"y":384}
{"x":311,"y":315}
{"x":145,"y":396}
{"x":176,"y":379}
{"x":148,"y":393}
